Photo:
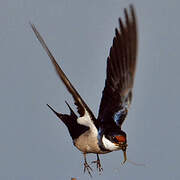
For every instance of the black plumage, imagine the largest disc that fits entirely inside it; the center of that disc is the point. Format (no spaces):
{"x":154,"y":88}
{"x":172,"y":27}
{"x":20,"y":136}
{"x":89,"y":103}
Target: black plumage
{"x":78,"y":101}
{"x":71,"y":122}
{"x":104,"y":134}
{"x":121,"y":65}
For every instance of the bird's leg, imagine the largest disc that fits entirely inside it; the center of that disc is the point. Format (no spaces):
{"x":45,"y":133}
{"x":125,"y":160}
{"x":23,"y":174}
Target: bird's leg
{"x":86,"y":166}
{"x":98,"y":163}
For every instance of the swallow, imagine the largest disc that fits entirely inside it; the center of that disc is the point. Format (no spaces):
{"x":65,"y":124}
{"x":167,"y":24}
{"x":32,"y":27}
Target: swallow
{"x":103,"y":134}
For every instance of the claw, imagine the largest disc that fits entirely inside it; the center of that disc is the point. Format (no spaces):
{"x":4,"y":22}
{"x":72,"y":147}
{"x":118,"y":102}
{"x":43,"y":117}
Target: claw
{"x":87,"y":167}
{"x":99,"y":167}
{"x":98,"y":164}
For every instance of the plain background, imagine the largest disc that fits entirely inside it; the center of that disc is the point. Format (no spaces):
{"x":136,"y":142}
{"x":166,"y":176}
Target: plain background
{"x":34,"y":145}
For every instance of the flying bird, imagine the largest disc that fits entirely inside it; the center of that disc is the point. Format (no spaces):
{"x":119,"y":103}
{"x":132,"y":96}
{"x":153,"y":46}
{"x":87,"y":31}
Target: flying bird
{"x":104,"y":134}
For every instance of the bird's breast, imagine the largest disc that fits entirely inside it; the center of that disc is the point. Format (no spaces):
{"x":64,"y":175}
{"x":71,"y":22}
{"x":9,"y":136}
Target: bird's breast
{"x":88,"y":142}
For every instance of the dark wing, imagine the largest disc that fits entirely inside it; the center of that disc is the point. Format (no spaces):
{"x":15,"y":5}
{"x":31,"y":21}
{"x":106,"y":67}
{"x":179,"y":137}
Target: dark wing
{"x":81,"y":105}
{"x":121,"y":66}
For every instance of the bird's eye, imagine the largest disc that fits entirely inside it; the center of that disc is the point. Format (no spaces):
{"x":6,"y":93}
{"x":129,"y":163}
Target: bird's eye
{"x":115,"y":139}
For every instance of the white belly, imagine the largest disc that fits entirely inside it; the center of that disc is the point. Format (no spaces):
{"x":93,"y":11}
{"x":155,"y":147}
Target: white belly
{"x":88,"y":143}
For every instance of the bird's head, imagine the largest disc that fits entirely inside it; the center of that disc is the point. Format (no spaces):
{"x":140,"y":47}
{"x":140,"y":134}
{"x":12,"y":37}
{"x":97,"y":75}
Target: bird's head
{"x":115,"y":140}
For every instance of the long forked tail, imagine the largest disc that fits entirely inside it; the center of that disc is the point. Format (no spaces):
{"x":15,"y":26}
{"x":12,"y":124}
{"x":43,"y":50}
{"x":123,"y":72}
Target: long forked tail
{"x":63,"y":117}
{"x":58,"y":114}
{"x":70,"y":121}
{"x":66,"y":119}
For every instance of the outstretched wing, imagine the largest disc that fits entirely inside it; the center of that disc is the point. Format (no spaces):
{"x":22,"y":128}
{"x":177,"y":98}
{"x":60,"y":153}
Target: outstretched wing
{"x":121,"y":66}
{"x":81,"y":105}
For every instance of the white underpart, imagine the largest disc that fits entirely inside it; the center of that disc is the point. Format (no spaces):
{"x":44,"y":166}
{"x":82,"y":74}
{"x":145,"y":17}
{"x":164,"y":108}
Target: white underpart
{"x":86,"y":120}
{"x":109,"y":145}
{"x":88,"y":141}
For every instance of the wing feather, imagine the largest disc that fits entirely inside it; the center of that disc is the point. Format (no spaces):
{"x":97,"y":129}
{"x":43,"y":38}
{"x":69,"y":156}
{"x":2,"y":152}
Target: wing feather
{"x":121,"y":66}
{"x":79,"y":102}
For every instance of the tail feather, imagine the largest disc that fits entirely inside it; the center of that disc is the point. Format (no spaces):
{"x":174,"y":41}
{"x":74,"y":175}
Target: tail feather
{"x":57,"y":114}
{"x":70,"y":121}
{"x":71,"y":111}
{"x":63,"y":117}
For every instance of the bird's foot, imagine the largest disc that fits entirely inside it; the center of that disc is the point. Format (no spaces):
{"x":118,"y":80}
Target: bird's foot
{"x":98,"y":165}
{"x":88,"y":168}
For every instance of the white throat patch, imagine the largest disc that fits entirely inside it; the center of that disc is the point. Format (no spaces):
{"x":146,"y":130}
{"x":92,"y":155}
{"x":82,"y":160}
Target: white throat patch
{"x":109,"y":145}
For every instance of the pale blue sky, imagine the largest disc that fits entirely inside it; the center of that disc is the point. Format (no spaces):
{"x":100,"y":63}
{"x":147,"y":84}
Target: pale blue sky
{"x":34,"y":145}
